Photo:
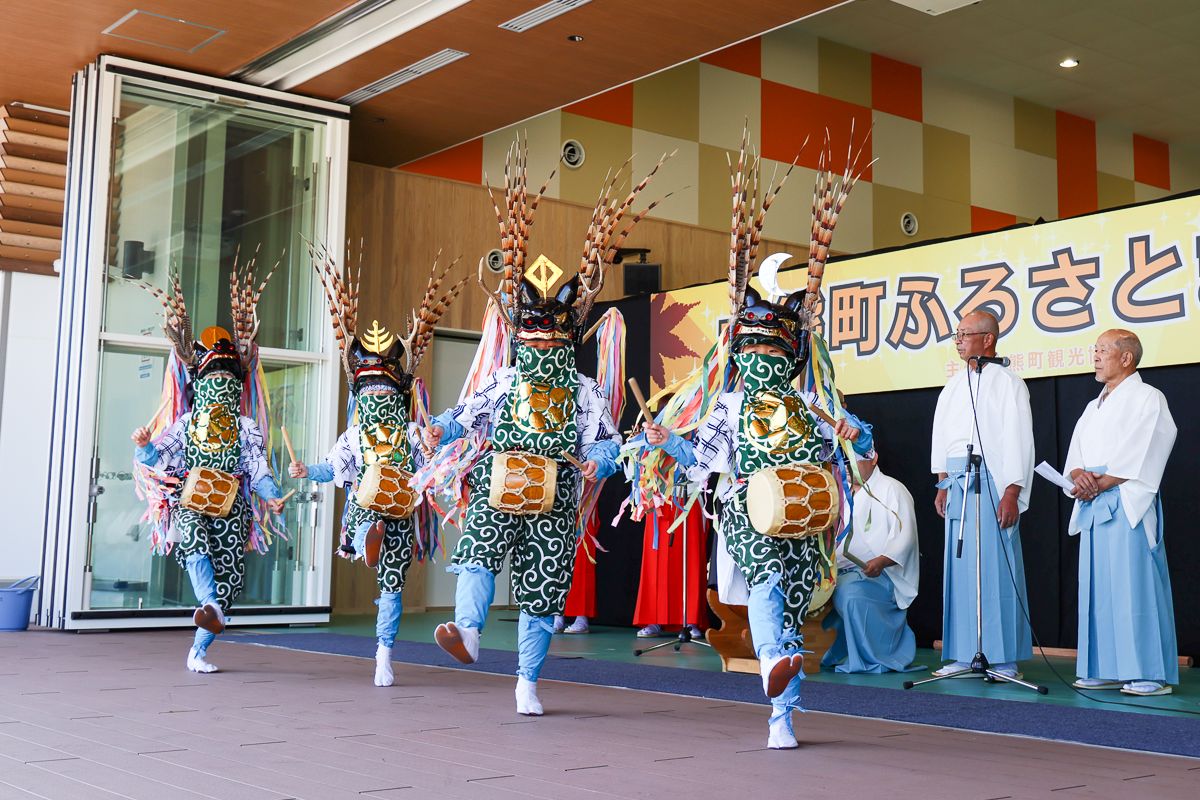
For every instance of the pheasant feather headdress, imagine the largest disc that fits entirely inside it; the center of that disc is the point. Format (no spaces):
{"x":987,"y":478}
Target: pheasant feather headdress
{"x":374,"y":355}
{"x":523,"y":298}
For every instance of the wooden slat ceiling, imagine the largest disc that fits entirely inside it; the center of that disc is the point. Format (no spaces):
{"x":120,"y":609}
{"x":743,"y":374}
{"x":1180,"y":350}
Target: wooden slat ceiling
{"x":512,"y":76}
{"x":44,"y":42}
{"x":507,"y":78}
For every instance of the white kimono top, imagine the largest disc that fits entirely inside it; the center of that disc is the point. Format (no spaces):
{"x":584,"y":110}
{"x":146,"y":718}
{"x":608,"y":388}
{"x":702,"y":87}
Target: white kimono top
{"x":885,"y":524}
{"x":1001,"y":403}
{"x":1131,"y":434}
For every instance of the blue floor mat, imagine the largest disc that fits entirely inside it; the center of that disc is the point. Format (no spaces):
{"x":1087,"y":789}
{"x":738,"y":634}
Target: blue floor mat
{"x":1153,"y":733}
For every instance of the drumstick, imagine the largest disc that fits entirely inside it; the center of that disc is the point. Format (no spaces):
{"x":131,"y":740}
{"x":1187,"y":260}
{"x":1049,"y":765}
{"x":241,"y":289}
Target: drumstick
{"x":287,"y":496}
{"x":424,"y":413}
{"x":641,"y":401}
{"x":572,"y":460}
{"x":161,"y":408}
{"x":287,"y":442}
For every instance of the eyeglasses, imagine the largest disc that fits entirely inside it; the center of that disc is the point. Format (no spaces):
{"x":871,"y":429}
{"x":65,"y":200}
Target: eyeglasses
{"x":960,"y":335}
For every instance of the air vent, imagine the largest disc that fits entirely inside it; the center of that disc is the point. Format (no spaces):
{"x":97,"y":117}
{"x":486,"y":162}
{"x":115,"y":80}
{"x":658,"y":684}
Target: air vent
{"x":936,"y":7}
{"x":573,"y":153}
{"x":495,"y":261}
{"x":403,"y":75}
{"x":543,"y":13}
{"x":174,"y":34}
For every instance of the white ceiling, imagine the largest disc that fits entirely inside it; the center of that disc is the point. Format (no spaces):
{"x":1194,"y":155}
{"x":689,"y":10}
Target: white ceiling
{"x":1139,"y":59}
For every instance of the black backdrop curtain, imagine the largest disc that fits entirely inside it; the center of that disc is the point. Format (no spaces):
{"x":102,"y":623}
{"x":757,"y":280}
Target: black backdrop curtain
{"x":903,"y":422}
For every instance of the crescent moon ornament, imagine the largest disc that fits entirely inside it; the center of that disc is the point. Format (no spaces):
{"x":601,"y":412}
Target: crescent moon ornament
{"x":768,"y":275}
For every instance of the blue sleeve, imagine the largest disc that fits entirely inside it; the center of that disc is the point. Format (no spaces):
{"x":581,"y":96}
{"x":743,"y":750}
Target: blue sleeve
{"x":604,"y":453}
{"x":321,"y":473}
{"x":680,"y":449}
{"x":147,"y":454}
{"x":266,"y":488}
{"x":866,"y":440}
{"x":450,"y":427}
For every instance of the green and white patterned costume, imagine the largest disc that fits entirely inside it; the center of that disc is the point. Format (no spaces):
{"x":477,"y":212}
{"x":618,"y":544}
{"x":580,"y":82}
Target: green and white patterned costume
{"x":541,"y":406}
{"x":214,"y":435}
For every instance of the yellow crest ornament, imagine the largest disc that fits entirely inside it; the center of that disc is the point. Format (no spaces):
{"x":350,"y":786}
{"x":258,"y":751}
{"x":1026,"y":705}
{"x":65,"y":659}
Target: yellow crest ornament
{"x":377,"y":339}
{"x":543,"y":274}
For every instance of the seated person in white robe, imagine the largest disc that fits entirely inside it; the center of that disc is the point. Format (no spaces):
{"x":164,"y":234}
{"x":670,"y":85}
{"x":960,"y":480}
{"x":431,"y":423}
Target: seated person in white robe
{"x":1117,"y":456}
{"x":870,"y":603}
{"x":998,"y":398}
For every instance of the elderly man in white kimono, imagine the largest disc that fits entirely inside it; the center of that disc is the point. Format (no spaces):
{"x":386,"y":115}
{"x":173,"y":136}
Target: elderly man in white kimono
{"x":1117,"y":456}
{"x":870,"y":602}
{"x":998,"y":399}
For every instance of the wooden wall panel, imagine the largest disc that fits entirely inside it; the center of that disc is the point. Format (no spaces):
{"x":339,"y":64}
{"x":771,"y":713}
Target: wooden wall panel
{"x":403,"y":218}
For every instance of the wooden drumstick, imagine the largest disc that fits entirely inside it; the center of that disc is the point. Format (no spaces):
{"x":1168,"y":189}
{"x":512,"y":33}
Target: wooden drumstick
{"x":161,"y":408}
{"x":641,"y":400}
{"x":287,"y":496}
{"x":425,"y":421}
{"x":287,"y":442}
{"x":572,"y":460}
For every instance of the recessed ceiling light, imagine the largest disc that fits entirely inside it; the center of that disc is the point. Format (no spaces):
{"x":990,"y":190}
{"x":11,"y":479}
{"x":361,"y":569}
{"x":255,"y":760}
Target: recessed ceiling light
{"x":1068,"y":63}
{"x":574,"y":37}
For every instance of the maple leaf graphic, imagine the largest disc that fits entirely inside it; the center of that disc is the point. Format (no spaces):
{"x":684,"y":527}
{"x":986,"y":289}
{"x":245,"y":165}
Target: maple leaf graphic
{"x":665,"y":343}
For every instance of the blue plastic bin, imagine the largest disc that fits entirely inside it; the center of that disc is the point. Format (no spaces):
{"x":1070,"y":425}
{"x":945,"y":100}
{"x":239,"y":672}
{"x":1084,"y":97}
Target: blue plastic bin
{"x":15,"y":603}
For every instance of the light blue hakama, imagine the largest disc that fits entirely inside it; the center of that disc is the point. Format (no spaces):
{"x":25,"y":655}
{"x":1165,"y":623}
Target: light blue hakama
{"x":872,"y":631}
{"x":1126,"y":614}
{"x":1006,"y":634}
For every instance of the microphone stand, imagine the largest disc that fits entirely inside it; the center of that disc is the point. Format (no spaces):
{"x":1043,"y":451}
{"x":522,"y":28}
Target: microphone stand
{"x":979,"y":664}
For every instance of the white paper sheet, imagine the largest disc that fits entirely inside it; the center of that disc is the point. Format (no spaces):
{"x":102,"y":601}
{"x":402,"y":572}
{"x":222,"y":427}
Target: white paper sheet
{"x":1054,"y":476}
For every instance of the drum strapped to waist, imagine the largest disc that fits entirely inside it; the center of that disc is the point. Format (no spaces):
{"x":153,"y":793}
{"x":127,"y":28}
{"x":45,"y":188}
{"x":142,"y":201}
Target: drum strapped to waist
{"x":385,"y":489}
{"x":522,"y":483}
{"x":793,"y":501}
{"x":208,"y":491}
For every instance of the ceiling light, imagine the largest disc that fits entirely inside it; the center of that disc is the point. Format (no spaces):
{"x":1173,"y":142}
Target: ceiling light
{"x":543,"y":13}
{"x":1068,"y":63}
{"x":360,"y":28}
{"x":574,"y":37}
{"x":403,"y":75}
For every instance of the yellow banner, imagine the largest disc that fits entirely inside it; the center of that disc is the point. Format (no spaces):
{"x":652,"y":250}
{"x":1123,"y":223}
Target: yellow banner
{"x":889,"y":318}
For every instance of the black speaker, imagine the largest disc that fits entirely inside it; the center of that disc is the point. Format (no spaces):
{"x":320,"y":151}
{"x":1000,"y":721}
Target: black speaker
{"x":136,"y":260}
{"x":642,"y":278}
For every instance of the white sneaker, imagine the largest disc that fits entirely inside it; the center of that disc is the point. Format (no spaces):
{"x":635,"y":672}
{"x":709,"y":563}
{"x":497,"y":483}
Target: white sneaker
{"x":383,"y":666}
{"x":196,"y":663}
{"x":559,"y":623}
{"x":527,"y":699}
{"x":780,"y":736}
{"x":462,"y":643}
{"x":650,"y":631}
{"x":580,"y":625}
{"x":777,"y":672}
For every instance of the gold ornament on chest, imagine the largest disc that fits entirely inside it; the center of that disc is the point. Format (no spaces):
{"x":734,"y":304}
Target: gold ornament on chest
{"x":542,"y":408}
{"x":381,"y":442}
{"x":213,"y":429}
{"x":776,"y":424}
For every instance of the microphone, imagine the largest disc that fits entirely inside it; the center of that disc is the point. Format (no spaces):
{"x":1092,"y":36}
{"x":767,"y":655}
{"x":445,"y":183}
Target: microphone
{"x":1003,"y":361}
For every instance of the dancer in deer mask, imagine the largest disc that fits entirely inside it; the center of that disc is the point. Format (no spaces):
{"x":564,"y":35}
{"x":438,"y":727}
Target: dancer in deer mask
{"x":528,"y":435}
{"x":775,"y":446}
{"x":202,"y":460}
{"x":385,"y":521}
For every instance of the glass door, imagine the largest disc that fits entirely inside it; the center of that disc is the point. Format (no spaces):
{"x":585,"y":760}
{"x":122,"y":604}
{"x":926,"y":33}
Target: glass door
{"x":199,"y":181}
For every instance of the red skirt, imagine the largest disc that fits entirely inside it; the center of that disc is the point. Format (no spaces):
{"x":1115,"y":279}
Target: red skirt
{"x":660,"y":594}
{"x":581,"y":600}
